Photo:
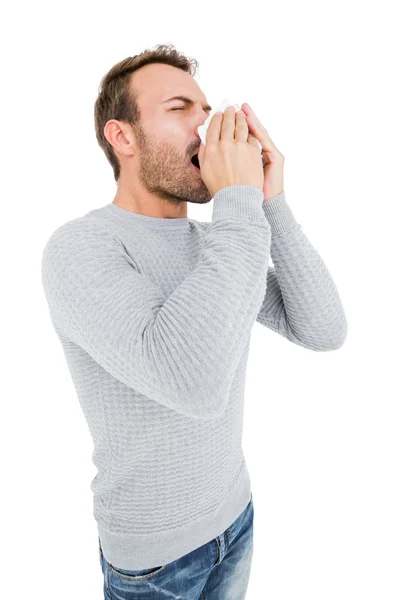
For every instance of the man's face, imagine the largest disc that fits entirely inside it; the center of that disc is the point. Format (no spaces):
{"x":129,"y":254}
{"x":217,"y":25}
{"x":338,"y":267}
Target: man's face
{"x":167,"y":134}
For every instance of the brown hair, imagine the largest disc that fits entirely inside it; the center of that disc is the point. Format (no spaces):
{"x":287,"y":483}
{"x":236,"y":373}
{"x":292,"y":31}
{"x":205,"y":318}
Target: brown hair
{"x":117,"y":100}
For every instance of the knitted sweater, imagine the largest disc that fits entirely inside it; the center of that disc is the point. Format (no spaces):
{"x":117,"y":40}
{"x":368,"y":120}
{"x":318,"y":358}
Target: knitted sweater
{"x":154,"y":316}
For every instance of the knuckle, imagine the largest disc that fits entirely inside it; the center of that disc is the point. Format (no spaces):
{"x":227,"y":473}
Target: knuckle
{"x":226,"y":144}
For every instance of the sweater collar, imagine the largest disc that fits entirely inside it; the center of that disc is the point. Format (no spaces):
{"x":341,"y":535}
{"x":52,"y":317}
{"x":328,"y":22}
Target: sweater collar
{"x":146,"y":221}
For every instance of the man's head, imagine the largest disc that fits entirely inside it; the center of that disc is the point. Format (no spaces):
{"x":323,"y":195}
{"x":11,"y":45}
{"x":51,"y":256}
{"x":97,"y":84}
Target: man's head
{"x":148,"y":138}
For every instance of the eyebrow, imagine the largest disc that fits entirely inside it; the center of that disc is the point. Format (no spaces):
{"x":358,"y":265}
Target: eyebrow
{"x":186,"y":100}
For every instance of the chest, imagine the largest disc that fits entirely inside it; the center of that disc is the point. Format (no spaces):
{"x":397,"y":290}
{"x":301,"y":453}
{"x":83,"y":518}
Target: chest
{"x":167,"y":258}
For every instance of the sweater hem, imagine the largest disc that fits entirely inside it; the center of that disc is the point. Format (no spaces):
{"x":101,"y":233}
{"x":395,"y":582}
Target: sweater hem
{"x":134,"y":552}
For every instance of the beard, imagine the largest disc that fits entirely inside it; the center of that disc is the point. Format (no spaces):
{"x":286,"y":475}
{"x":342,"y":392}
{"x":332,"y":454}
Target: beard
{"x":167,"y":173}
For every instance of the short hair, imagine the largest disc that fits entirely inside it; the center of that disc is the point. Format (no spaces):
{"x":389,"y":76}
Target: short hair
{"x":116,"y":98}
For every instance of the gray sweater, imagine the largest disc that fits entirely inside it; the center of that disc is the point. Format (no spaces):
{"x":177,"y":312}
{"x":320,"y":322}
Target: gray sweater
{"x":154,"y":316}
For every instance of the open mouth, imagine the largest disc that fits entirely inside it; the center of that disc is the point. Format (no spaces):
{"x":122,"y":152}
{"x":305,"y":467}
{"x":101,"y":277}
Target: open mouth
{"x":195,"y":161}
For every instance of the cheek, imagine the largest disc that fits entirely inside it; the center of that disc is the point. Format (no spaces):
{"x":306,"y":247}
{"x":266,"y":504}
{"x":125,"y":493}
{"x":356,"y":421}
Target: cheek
{"x":171,"y":137}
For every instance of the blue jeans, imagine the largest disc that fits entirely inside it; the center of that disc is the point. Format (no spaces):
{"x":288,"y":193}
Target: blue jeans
{"x":217,"y":570}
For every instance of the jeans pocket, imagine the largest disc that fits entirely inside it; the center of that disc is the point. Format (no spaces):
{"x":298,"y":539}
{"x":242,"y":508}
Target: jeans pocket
{"x":137,"y":575}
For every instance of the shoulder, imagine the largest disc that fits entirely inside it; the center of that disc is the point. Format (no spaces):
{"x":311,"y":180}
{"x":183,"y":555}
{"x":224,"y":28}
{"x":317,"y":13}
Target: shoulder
{"x":82,"y":230}
{"x":81,"y":243}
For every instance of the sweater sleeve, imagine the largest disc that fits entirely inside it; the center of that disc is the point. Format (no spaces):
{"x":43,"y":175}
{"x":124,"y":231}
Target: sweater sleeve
{"x":301,"y":302}
{"x":181,"y":351}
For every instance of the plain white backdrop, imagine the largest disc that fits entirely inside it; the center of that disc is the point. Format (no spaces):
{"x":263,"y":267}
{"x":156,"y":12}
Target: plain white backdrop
{"x":321,"y":430}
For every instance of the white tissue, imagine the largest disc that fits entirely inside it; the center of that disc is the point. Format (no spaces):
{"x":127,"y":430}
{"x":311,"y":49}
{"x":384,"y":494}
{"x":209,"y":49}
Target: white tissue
{"x":202,"y":130}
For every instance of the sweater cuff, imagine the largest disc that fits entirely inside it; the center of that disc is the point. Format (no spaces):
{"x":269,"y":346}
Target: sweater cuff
{"x":279,"y":214}
{"x":241,"y":201}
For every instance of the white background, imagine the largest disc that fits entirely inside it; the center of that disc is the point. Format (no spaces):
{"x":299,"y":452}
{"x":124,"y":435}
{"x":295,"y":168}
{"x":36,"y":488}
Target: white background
{"x":321,"y":430}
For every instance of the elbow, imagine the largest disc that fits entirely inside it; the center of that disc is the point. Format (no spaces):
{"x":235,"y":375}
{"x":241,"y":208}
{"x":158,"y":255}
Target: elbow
{"x":207,"y":402}
{"x":341,"y":336}
{"x":323,"y":343}
{"x":206,"y":397}
{"x":336,"y":342}
{"x":340,"y":340}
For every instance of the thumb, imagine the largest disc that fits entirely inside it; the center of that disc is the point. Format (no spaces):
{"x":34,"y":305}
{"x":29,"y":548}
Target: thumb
{"x":202,"y":150}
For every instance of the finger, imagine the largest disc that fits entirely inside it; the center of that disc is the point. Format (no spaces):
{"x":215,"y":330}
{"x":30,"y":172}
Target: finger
{"x":228,"y":123}
{"x":242,"y":130}
{"x":201,"y":153}
{"x":256,"y":127}
{"x":214,"y":129}
{"x":253,"y":141}
{"x":262,"y":134}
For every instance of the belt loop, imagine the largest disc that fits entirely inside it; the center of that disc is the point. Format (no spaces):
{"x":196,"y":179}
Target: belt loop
{"x":226,"y":539}
{"x":218,"y":559}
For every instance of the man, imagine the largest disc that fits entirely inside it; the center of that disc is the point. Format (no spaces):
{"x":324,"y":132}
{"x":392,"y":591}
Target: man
{"x":154,"y":311}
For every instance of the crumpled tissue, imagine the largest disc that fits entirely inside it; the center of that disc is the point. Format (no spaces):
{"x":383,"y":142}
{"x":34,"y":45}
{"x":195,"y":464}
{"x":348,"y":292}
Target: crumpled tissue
{"x":202,"y":129}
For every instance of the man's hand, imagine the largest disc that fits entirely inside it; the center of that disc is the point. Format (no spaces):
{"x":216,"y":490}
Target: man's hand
{"x":274,"y":160}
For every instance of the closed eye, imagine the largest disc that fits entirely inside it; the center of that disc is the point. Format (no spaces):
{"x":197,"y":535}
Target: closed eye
{"x":207,"y":110}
